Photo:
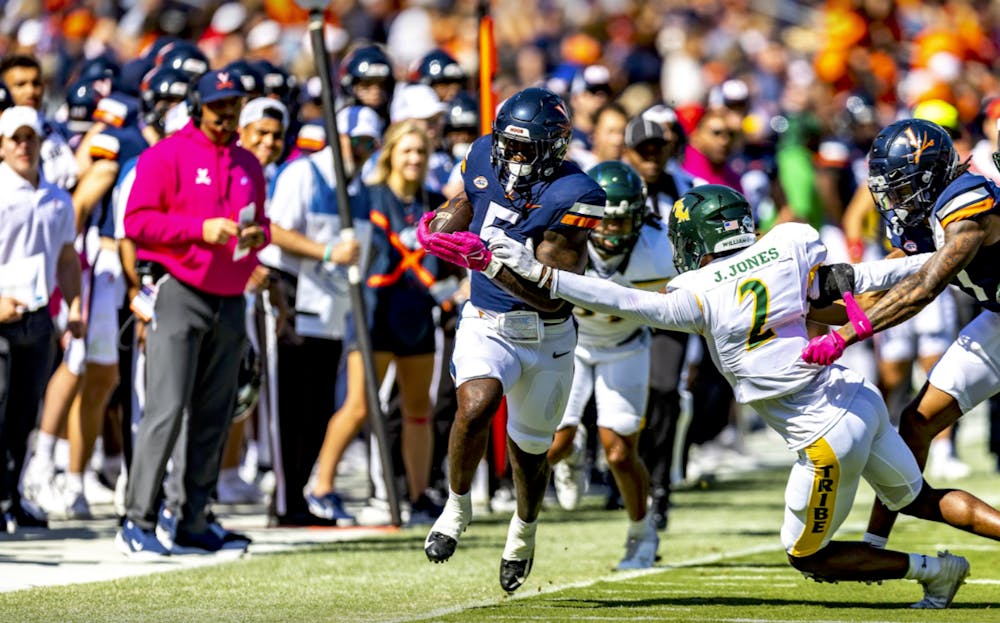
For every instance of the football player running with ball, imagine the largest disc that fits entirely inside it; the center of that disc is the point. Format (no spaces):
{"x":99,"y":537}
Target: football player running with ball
{"x":750,"y":299}
{"x":513,"y":339}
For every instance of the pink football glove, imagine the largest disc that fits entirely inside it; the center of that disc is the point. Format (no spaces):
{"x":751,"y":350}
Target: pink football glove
{"x":824,"y":349}
{"x":862,"y":326}
{"x":462,"y":248}
{"x":424,"y":234}
{"x":472,"y":247}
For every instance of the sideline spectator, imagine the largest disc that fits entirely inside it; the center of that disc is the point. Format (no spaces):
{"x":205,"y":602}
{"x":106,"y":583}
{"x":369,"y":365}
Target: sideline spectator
{"x":36,"y":252}
{"x":304,"y":256}
{"x":196,"y":213}
{"x":402,"y":331}
{"x":22,"y":74}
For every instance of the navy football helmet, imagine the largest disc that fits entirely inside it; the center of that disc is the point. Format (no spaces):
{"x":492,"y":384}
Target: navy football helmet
{"x":277,"y":82}
{"x":439,"y":67}
{"x":369,"y":62}
{"x":81,"y":102}
{"x":530,"y":137}
{"x":5,"y":99}
{"x":162,"y":88}
{"x":185,"y":56}
{"x":910,"y":162}
{"x":249,"y":76}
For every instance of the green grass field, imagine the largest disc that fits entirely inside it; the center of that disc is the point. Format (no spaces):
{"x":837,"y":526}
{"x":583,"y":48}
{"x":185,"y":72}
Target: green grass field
{"x":722,"y":561}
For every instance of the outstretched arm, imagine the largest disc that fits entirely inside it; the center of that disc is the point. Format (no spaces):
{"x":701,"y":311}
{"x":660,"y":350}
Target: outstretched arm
{"x":677,"y":310}
{"x":909,"y":296}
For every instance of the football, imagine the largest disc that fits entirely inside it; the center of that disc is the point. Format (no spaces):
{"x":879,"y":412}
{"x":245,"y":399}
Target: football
{"x":452,"y":216}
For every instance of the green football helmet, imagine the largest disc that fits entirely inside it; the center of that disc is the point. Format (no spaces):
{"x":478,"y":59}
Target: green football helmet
{"x":626,"y":205}
{"x":709,"y":219}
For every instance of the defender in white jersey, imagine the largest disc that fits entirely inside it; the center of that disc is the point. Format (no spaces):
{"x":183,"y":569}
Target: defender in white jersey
{"x":750,"y":299}
{"x":611,"y":359}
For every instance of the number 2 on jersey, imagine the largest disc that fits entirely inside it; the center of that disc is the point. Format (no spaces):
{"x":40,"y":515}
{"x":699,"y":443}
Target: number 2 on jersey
{"x":757,"y":334}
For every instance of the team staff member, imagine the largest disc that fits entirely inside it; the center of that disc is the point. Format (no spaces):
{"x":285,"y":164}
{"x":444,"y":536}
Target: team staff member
{"x":196,"y":213}
{"x":36,"y":252}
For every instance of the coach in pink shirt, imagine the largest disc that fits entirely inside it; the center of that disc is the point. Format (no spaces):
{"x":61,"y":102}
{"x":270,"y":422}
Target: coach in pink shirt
{"x":196,"y":214}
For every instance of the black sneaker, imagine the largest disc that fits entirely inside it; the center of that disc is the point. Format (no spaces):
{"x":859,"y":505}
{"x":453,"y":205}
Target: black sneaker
{"x":424,"y":511}
{"x":207,"y":542}
{"x":660,"y":509}
{"x":513,"y":573}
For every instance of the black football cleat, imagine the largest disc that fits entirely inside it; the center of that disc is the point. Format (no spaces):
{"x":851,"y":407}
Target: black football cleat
{"x":439,"y":547}
{"x":513,"y":573}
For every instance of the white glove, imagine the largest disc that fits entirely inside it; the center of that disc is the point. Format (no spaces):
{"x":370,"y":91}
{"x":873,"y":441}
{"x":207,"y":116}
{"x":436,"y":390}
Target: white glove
{"x":520,"y":258}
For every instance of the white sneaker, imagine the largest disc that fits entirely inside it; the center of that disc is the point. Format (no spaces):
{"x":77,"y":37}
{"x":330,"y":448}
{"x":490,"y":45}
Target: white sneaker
{"x":569,"y":474}
{"x":97,"y":492}
{"x":48,"y":496}
{"x":234,"y":490}
{"x":77,"y":506}
{"x":640,"y":552}
{"x":940,"y":589}
{"x":503,"y":501}
{"x":948,"y":468}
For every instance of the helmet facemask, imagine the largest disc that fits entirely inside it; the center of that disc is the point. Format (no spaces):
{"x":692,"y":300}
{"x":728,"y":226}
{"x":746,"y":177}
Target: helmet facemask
{"x":521,"y":159}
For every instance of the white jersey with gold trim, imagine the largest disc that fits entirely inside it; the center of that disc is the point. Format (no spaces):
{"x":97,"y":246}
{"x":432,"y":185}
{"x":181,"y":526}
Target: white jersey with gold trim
{"x":751,"y":307}
{"x":649,"y":266}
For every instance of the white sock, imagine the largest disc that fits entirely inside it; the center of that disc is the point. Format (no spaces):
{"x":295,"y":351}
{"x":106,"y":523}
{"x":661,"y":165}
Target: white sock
{"x":875,"y":540}
{"x":456,"y":515}
{"x":61,"y":454}
{"x":639,"y":529}
{"x":45,"y":444}
{"x":520,"y":539}
{"x":74,"y":483}
{"x":923,"y":567}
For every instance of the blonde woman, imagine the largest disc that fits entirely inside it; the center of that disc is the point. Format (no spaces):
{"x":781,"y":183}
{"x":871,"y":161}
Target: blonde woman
{"x":401,"y":322}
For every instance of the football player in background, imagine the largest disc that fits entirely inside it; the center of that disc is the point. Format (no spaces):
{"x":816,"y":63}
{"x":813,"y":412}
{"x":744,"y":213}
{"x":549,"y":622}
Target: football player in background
{"x":612,"y":358}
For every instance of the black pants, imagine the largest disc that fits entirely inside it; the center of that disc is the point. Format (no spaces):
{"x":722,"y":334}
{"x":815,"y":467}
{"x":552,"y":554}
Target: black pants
{"x":26,"y":353}
{"x":656,"y":443}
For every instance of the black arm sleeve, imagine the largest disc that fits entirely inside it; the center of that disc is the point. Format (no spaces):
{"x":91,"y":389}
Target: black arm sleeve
{"x":833,"y":281}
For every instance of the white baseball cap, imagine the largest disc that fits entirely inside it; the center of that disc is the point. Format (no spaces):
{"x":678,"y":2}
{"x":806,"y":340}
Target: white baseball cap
{"x":263,"y":107}
{"x":359,"y":121}
{"x":264,"y":34}
{"x":17,"y":117}
{"x":415,"y":101}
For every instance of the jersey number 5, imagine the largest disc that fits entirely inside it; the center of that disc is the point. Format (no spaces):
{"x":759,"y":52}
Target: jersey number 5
{"x":758,"y":290}
{"x":494,"y":213}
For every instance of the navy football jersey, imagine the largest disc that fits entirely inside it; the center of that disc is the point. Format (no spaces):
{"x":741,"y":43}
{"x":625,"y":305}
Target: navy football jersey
{"x":969,"y":196}
{"x":912,"y":240}
{"x":116,"y":142}
{"x":570,"y":199}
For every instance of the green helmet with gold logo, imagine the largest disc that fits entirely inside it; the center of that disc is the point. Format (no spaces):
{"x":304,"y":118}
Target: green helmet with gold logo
{"x":709,"y":219}
{"x":625,"y":209}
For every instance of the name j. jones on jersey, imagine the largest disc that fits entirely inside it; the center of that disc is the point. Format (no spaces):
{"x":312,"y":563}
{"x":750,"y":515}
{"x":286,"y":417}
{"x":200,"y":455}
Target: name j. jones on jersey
{"x":749,"y":263}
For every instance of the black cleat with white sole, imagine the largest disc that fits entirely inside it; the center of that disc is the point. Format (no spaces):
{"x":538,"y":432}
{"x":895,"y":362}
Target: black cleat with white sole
{"x":439,"y":547}
{"x":513,"y":573}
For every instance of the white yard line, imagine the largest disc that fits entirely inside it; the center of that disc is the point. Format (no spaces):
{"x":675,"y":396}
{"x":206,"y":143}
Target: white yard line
{"x":618,"y":576}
